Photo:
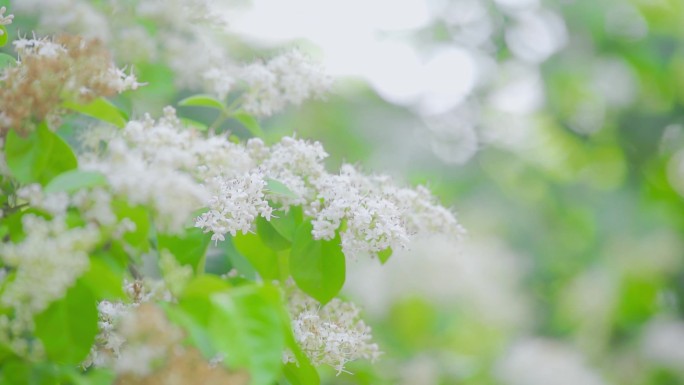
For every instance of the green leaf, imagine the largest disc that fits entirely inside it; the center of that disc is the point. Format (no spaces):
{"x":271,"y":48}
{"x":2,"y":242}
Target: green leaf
{"x":270,"y":236}
{"x":260,"y":256}
{"x":317,"y":266}
{"x":199,"y":126}
{"x":302,"y":374}
{"x":287,"y":223}
{"x":195,"y":308}
{"x":67,"y":328}
{"x":202,"y":101}
{"x":94,"y":376}
{"x":189,"y":248}
{"x":250,"y":123}
{"x":39,"y":157}
{"x":4,"y":37}
{"x":101,"y":109}
{"x":384,"y":255}
{"x":139,"y":215}
{"x":105,"y":277}
{"x":278,"y":188}
{"x":6,"y":60}
{"x":75,"y":180}
{"x":248,"y":329}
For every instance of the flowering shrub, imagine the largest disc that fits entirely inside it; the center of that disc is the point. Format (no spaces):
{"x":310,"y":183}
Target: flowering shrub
{"x":107,"y":234}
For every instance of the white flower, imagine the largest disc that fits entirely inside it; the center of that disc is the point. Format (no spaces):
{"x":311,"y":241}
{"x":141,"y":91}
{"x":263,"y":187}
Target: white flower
{"x":537,"y":361}
{"x":220,"y":80}
{"x":287,"y":79}
{"x":4,"y":20}
{"x":234,"y":205}
{"x":333,"y":334}
{"x":663,"y":342}
{"x":37,"y":47}
{"x":46,"y":262}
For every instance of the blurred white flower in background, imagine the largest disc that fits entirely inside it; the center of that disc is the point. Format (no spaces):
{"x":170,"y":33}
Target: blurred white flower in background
{"x":482,"y":278}
{"x":663,"y":342}
{"x":539,"y":361}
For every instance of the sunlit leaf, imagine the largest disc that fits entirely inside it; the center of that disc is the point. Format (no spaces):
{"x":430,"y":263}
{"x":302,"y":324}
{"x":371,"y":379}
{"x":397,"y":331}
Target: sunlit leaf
{"x":39,"y":157}
{"x":101,"y":109}
{"x":317,"y":266}
{"x":189,"y":248}
{"x":202,"y":101}
{"x":248,"y":329}
{"x":4,"y":37}
{"x":278,"y":188}
{"x":250,"y":123}
{"x":75,"y":180}
{"x":67,"y":328}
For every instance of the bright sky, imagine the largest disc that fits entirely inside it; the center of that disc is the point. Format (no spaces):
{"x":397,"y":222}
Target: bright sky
{"x":361,"y":38}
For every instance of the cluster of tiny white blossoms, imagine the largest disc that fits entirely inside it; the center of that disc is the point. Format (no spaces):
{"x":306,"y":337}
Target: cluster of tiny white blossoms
{"x":177,"y":171}
{"x":5,"y":19}
{"x":290,"y":78}
{"x":45,"y":264}
{"x":333,"y":334}
{"x":235,"y":204}
{"x":377,"y":214}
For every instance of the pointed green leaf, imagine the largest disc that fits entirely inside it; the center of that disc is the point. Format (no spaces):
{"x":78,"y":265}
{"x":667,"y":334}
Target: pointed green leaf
{"x":270,"y":236}
{"x":286,"y":224}
{"x":67,"y":328}
{"x":199,"y":126}
{"x":189,"y":248}
{"x":4,"y":37}
{"x":75,"y":180}
{"x":101,"y":109}
{"x":260,"y":256}
{"x":250,"y":123}
{"x":248,"y":329}
{"x":278,"y":188}
{"x":384,"y":255}
{"x":39,"y":157}
{"x":317,"y":266}
{"x":202,"y":101}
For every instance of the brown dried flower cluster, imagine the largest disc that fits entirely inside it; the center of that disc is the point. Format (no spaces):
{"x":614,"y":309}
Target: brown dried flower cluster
{"x":50,"y":72}
{"x":151,"y":337}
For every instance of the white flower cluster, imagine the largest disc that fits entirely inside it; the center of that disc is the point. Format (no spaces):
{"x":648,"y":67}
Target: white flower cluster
{"x":333,"y":334}
{"x":235,"y":204}
{"x":663,"y":343}
{"x":5,"y":19}
{"x":177,"y":171}
{"x":287,"y":79}
{"x":371,"y":213}
{"x":45,"y":264}
{"x":538,"y":361}
{"x":37,"y":47}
